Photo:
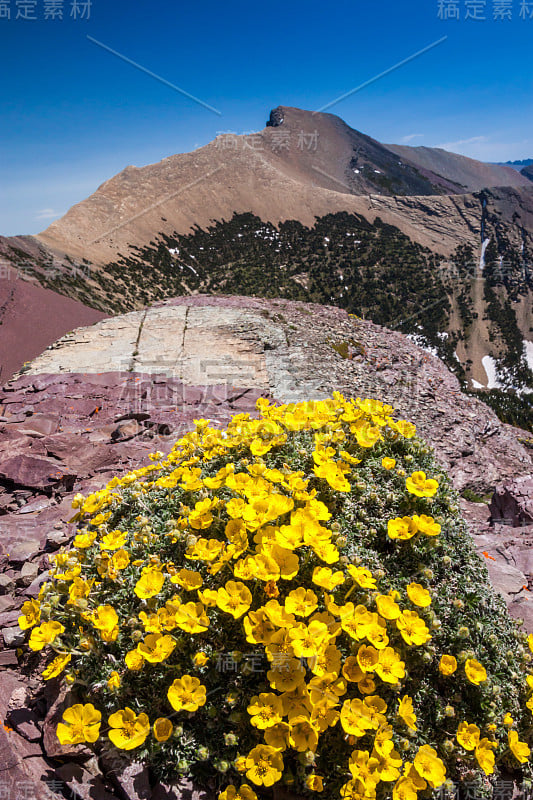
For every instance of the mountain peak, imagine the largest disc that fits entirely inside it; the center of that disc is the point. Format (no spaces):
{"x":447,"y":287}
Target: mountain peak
{"x":276,"y":117}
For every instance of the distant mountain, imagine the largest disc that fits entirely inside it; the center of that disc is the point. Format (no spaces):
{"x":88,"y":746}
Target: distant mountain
{"x":469,"y":174}
{"x":310,"y":208}
{"x":523,"y":162}
{"x":527,"y":171}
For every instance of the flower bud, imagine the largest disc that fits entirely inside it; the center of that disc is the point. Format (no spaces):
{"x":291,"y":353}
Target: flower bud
{"x":341,"y":541}
{"x":203,"y":753}
{"x":230,"y":739}
{"x":449,"y":711}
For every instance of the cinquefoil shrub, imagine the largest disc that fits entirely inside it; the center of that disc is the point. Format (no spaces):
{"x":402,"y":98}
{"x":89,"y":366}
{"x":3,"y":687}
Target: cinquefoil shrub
{"x":294,"y":599}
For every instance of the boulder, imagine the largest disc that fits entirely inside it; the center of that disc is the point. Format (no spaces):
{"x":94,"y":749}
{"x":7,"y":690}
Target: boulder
{"x":512,"y":502}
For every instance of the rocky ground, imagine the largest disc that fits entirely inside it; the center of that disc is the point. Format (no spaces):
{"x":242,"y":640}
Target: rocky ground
{"x":101,"y":399}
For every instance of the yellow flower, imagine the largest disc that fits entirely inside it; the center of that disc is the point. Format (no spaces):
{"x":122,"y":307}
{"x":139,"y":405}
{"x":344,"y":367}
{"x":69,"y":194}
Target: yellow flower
{"x":234,"y":598}
{"x":475,"y":672}
{"x":362,"y":576}
{"x":258,"y":627}
{"x":303,"y":735}
{"x":245,"y":792}
{"x":119,"y":560}
{"x":82,"y":724}
{"x":390,"y":668}
{"x":405,"y":711}
{"x":429,"y":766}
{"x":387,"y":607}
{"x":508,"y":720}
{"x":156,"y":648}
{"x":354,"y":717}
{"x":45,"y":634}
{"x":134,"y":660}
{"x":189,"y":579}
{"x":530,"y":642}
{"x":407,"y":429}
{"x":418,"y":595}
{"x":205,"y":550}
{"x":447,"y":665}
{"x":468,"y":735}
{"x":325,"y":577}
{"x":84,"y":540}
{"x":128,"y":730}
{"x":519,"y":749}
{"x":186,"y":694}
{"x":200,"y":659}
{"x":421,"y":486}
{"x":427,"y":525}
{"x":367,"y":658}
{"x":286,"y":560}
{"x":149,"y":584}
{"x":352,"y":671}
{"x":402,"y":528}
{"x":314,"y":783}
{"x":208,"y":597}
{"x":191,"y":617}
{"x":277,"y":736}
{"x":485,"y":756}
{"x":301,"y":602}
{"x":412,"y":628}
{"x":333,"y":473}
{"x":113,"y":682}
{"x":31,"y":614}
{"x":201,"y":517}
{"x":388,"y":463}
{"x":287,"y":676}
{"x":105,"y":619}
{"x":309,"y":640}
{"x":163,"y":729}
{"x":265,"y":710}
{"x":56,"y":666}
{"x":113,"y":540}
{"x":264,"y":765}
{"x":326,"y":688}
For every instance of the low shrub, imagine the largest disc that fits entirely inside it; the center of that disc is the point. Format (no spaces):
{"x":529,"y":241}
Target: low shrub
{"x":295,"y":599}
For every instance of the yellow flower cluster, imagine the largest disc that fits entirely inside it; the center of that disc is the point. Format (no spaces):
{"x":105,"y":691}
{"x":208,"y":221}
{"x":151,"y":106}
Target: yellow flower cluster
{"x":337,"y":646}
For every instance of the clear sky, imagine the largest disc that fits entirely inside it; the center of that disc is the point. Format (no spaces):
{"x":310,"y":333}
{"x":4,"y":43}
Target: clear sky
{"x":73,"y":113}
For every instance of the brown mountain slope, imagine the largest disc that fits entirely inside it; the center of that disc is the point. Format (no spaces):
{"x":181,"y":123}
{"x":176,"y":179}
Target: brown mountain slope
{"x":301,"y":166}
{"x":31,"y":318}
{"x":469,"y":173}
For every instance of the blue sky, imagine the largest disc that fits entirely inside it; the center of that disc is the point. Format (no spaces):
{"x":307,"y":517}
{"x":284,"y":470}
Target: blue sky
{"x":73,"y":114}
